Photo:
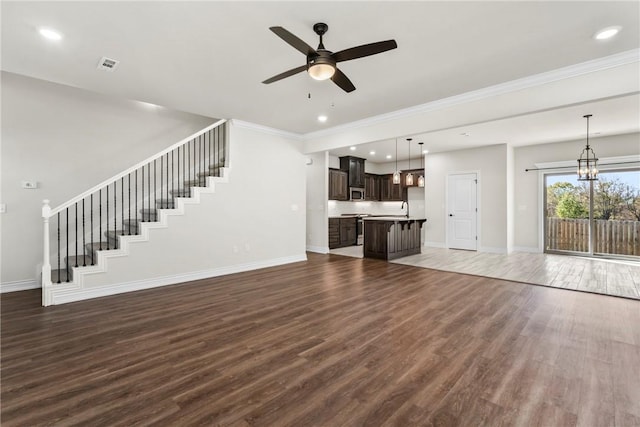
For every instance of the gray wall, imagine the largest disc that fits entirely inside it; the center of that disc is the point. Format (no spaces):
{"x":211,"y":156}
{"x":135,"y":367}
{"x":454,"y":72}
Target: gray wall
{"x":68,"y":140}
{"x":491,"y":164}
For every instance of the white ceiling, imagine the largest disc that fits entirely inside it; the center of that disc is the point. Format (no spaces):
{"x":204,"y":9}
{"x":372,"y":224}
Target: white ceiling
{"x":611,"y":116}
{"x":210,"y":58}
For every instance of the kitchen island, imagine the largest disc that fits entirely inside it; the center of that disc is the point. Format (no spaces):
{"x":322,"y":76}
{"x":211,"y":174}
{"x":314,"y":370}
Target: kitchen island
{"x":392,"y":237}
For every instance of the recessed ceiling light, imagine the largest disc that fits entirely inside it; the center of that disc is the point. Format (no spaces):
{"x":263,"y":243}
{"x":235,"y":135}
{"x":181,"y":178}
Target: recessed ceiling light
{"x":388,"y":156}
{"x":352,"y":148}
{"x":607,"y":33}
{"x":322,"y":118}
{"x":425,"y":151}
{"x":373,"y":153}
{"x":50,"y":34}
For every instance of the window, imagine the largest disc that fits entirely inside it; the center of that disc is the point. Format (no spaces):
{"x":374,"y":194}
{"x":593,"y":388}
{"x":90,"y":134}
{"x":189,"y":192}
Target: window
{"x":593,"y":217}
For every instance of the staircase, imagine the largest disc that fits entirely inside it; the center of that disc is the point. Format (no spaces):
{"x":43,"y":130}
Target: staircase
{"x":81,"y":234}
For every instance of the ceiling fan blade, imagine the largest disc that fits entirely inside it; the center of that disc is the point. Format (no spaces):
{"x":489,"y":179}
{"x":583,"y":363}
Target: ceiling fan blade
{"x":364,"y":50}
{"x":293,"y":41}
{"x":288,"y":73}
{"x":343,"y":81}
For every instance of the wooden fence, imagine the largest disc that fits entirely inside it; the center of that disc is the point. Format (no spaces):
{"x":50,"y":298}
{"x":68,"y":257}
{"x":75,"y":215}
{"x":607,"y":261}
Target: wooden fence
{"x":612,"y":236}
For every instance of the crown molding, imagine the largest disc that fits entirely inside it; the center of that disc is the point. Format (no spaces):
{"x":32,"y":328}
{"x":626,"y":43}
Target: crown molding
{"x":266,"y":129}
{"x":604,"y":63}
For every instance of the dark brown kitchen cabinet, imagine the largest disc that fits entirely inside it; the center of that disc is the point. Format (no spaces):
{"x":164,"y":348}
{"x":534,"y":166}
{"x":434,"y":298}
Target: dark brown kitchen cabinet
{"x":338,"y":189}
{"x":371,"y":187}
{"x":390,"y":192}
{"x":342,"y":232}
{"x":354,"y":166}
{"x":334,"y":233}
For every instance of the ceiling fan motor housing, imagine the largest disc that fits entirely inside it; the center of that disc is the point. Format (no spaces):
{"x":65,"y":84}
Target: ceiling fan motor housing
{"x":321,"y":66}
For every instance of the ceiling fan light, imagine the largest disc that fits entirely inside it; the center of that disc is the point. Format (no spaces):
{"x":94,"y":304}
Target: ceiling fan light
{"x":321,"y":71}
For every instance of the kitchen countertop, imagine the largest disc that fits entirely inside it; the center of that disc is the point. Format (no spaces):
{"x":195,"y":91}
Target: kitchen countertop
{"x":394,"y":218}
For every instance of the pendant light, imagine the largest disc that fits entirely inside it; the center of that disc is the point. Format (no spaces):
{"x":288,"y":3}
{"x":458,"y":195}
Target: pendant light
{"x":396,"y":174}
{"x":588,"y":162}
{"x":421,"y":177}
{"x":409,"y":177}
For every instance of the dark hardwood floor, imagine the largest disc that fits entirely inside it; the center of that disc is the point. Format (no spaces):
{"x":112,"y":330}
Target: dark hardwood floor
{"x":329,"y":342}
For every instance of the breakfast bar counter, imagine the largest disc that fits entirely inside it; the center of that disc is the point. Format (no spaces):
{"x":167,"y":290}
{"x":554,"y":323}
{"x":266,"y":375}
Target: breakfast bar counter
{"x":392,"y":237}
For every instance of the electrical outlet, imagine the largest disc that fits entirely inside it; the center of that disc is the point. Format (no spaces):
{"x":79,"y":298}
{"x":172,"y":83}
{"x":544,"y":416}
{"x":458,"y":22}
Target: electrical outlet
{"x":29,"y":185}
{"x":3,"y":208}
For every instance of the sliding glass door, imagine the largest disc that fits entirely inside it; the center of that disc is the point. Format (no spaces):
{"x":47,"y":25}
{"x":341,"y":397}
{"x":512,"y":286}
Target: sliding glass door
{"x":593,"y":217}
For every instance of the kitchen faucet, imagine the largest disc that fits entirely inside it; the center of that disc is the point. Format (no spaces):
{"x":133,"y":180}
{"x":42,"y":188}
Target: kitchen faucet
{"x":402,"y":207}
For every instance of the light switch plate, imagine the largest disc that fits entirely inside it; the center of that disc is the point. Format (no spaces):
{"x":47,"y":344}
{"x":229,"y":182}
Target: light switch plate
{"x":3,"y":207}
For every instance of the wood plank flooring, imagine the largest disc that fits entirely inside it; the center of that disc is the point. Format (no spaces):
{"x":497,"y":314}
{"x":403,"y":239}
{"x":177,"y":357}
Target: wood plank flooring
{"x":602,"y":276}
{"x":329,"y":342}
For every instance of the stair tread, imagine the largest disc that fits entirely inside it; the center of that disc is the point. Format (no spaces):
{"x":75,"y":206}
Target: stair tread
{"x":203,"y":174}
{"x":82,"y":260}
{"x":95,"y":246}
{"x":115,"y":233}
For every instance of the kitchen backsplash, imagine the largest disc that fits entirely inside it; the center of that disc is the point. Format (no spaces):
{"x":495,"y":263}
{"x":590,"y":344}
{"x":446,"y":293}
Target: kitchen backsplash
{"x":416,"y":206}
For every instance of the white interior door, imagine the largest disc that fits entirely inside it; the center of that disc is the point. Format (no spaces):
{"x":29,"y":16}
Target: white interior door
{"x":462,"y":211}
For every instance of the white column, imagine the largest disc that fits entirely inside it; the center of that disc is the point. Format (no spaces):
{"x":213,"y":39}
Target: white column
{"x":46,"y":262}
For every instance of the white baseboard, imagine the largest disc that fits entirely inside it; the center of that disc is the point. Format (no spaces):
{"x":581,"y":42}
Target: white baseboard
{"x":491,"y":250}
{"x":19,"y":285}
{"x":527,"y":249}
{"x":318,"y":249}
{"x":435,"y":245}
{"x":65,"y":296}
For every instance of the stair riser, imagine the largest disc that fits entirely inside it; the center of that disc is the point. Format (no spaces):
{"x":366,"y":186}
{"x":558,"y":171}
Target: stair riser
{"x":105,"y":247}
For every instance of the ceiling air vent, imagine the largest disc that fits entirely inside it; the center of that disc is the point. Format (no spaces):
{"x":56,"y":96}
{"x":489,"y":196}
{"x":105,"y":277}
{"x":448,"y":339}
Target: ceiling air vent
{"x":108,"y":64}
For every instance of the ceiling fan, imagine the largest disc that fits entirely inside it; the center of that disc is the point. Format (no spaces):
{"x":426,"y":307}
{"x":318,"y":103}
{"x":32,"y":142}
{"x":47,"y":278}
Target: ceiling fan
{"x":321,"y":63}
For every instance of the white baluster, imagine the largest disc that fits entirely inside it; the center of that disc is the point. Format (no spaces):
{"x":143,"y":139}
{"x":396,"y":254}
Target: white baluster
{"x":46,"y":262}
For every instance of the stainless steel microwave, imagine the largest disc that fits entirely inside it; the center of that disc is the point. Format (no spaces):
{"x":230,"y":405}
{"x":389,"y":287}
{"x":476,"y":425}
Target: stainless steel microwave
{"x":356,"y":193}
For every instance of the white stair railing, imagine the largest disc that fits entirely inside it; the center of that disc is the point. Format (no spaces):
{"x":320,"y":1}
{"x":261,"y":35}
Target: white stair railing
{"x":119,"y":204}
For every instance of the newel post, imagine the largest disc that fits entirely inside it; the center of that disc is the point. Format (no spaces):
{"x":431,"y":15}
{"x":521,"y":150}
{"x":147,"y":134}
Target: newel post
{"x":46,"y":262}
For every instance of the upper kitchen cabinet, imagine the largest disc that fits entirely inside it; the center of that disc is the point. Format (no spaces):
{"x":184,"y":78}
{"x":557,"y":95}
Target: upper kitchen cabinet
{"x":338,"y":188}
{"x":371,"y":187}
{"x":390,"y":192}
{"x":354,"y":166}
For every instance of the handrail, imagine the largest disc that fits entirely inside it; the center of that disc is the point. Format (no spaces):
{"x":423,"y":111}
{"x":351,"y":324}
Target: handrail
{"x":128,"y":171}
